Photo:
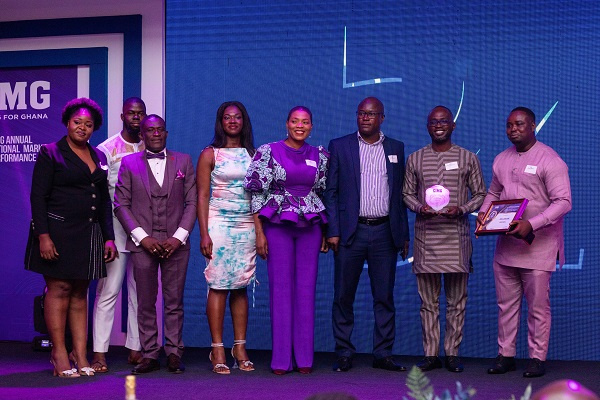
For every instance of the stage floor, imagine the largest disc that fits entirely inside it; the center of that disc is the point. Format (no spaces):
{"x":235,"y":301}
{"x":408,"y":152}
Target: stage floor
{"x":25,"y":374}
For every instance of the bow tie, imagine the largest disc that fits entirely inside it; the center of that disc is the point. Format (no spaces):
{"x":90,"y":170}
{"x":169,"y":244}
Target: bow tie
{"x":150,"y":156}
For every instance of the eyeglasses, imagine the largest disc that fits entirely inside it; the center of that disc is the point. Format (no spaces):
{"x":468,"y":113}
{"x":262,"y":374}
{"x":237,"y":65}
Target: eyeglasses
{"x":152,"y":130}
{"x":443,"y":122}
{"x":370,"y":114}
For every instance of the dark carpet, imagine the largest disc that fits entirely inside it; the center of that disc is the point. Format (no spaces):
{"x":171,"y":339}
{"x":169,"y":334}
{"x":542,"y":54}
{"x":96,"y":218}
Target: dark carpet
{"x":25,"y":374}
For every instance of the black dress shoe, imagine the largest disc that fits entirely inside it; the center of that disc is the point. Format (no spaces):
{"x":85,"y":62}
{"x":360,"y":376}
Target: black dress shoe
{"x":342,"y":364}
{"x":502,"y":365}
{"x":174,"y":364}
{"x":145,"y":366}
{"x":453,"y":364}
{"x":387,"y":363}
{"x":429,"y":363}
{"x":535,"y":368}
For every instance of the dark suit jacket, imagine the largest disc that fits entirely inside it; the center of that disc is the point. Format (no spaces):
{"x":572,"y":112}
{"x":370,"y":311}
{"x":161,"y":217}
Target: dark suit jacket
{"x":60,"y":178}
{"x":133,"y":201}
{"x":66,"y":201}
{"x":342,"y":195}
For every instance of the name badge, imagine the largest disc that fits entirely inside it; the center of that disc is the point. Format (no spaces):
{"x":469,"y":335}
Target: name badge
{"x":531,"y":169}
{"x":393,"y":158}
{"x":451,"y":165}
{"x":311,"y":163}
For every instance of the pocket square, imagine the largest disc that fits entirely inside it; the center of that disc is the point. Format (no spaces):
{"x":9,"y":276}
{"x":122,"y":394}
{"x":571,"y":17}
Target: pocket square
{"x":180,"y":175}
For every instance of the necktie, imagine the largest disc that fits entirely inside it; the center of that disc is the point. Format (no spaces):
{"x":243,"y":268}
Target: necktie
{"x":150,"y":156}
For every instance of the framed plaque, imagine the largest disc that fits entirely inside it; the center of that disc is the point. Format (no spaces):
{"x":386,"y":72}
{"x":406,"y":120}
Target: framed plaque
{"x":500,"y":215}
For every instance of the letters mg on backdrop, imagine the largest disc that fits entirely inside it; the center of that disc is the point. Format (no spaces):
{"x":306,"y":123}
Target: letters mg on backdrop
{"x":31,"y":101}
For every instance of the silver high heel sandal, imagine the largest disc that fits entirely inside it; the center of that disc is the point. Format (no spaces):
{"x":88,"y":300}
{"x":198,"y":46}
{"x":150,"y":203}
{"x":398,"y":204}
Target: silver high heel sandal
{"x":219,"y":368}
{"x":67,"y":373}
{"x":243,"y":365}
{"x":84,"y":371}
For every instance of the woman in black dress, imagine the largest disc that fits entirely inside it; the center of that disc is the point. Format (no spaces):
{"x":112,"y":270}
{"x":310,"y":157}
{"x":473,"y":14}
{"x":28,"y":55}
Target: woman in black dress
{"x":72,"y":233}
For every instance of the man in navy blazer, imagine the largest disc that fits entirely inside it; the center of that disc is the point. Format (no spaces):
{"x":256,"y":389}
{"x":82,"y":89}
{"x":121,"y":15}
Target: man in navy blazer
{"x":155,"y":201}
{"x":367,"y":222}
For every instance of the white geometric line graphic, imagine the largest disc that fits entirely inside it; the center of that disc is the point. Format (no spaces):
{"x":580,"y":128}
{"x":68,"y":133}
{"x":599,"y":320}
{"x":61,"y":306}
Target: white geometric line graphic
{"x":579,"y":264}
{"x":373,"y":81}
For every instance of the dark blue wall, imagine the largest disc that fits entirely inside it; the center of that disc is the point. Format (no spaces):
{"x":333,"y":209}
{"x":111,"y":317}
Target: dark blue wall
{"x":273,"y":55}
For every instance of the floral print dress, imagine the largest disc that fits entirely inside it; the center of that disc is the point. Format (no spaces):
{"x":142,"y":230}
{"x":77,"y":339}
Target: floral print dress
{"x":230,"y":223}
{"x":286,"y":184}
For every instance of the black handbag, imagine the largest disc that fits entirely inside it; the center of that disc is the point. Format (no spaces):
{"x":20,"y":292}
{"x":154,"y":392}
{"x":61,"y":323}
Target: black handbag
{"x":39,"y":323}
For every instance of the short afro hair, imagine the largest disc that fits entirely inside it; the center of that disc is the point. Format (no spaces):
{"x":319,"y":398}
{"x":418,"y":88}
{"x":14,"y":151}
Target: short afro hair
{"x":77,"y":104}
{"x":526,"y":110}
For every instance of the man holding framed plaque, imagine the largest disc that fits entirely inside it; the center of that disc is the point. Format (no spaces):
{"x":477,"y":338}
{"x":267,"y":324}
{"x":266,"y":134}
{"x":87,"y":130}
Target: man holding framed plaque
{"x":437,"y":183}
{"x":527,"y":170}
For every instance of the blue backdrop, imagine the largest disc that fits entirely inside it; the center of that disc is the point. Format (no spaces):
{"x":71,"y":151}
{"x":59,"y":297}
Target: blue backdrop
{"x":328,"y":55}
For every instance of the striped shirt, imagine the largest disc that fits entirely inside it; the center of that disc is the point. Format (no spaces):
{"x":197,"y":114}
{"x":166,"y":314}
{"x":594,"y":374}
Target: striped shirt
{"x":443,"y":244}
{"x":374,"y":187}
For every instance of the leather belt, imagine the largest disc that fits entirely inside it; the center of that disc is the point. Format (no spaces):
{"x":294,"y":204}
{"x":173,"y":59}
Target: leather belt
{"x":373,"y":221}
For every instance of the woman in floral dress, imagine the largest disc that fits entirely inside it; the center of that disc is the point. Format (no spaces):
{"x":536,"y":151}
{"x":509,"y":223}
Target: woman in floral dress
{"x":227,"y":230}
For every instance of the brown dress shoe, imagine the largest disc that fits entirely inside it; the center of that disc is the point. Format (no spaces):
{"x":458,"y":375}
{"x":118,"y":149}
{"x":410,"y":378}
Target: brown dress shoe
{"x":174,"y":364}
{"x":135,"y":357}
{"x":145,"y":366}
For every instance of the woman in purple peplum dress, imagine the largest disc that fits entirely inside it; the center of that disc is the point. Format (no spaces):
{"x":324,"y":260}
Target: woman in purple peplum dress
{"x":286,"y":180}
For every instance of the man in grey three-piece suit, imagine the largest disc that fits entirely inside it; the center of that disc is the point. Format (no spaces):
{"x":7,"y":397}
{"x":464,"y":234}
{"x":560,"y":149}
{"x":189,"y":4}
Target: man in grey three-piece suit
{"x":155,"y":201}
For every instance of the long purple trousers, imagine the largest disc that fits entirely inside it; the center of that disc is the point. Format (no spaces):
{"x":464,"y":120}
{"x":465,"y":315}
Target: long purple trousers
{"x":292,"y":264}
